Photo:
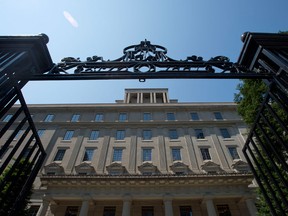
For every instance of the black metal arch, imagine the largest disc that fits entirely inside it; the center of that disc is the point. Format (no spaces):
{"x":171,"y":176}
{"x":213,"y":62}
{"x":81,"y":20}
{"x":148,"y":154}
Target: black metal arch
{"x":147,"y":61}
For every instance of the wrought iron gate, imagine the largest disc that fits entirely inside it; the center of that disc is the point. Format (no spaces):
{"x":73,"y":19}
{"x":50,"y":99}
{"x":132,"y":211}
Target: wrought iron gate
{"x":264,"y":56}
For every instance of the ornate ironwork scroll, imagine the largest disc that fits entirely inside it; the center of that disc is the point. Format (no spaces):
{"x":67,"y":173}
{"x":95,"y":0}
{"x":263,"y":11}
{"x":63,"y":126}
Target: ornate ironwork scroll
{"x":147,"y":60}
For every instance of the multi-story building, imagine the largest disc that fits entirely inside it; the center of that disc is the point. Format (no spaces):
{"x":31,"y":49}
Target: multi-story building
{"x":142,"y":156}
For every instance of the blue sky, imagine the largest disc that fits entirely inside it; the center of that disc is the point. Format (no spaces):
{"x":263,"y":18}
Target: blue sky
{"x":204,"y":28}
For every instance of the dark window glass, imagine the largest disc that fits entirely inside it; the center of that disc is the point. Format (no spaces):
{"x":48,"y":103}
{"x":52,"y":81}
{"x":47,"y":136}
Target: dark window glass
{"x":88,"y":154}
{"x":147,"y":134}
{"x":147,"y":116}
{"x":205,"y":154}
{"x":41,"y":132}
{"x":147,"y":154}
{"x":18,"y":134}
{"x":233,"y":152}
{"x":68,"y":135}
{"x":223,"y":210}
{"x":99,"y":117}
{"x":32,"y":211}
{"x":72,"y":211}
{"x":225,"y":133}
{"x":75,"y":118}
{"x":199,"y":134}
{"x":170,"y":116}
{"x":117,"y":154}
{"x":176,"y":154}
{"x":122,"y":117}
{"x":59,"y":155}
{"x":94,"y":135}
{"x":218,"y":115}
{"x":194,"y":116}
{"x":49,"y":118}
{"x":120,"y":135}
{"x":147,"y":211}
{"x":7,"y":117}
{"x":173,"y":134}
{"x":185,"y":211}
{"x":109,"y":211}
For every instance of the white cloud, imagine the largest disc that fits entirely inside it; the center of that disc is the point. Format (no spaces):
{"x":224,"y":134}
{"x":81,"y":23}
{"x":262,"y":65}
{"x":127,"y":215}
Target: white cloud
{"x":70,"y":19}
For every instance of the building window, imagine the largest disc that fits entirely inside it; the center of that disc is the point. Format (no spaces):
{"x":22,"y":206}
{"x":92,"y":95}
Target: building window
{"x":176,"y":154}
{"x":72,"y":211}
{"x":49,"y":118}
{"x":18,"y":134}
{"x":120,"y":135}
{"x":94,"y":135}
{"x":32,"y":211}
{"x":122,"y":117}
{"x":218,"y":116}
{"x":147,"y":211}
{"x":41,"y":132}
{"x":225,"y":133}
{"x":7,"y":117}
{"x":205,"y":153}
{"x":117,"y":154}
{"x":75,"y":118}
{"x":109,"y":211}
{"x":68,"y":135}
{"x":185,"y":210}
{"x":147,"y":116}
{"x":233,"y":152}
{"x":147,"y":134}
{"x":171,"y":116}
{"x":59,"y":155}
{"x":26,"y":152}
{"x":99,"y":117}
{"x":173,"y":134}
{"x":194,"y":116}
{"x":3,"y":153}
{"x":199,"y":134}
{"x":223,"y":210}
{"x":88,"y":154}
{"x":147,"y":154}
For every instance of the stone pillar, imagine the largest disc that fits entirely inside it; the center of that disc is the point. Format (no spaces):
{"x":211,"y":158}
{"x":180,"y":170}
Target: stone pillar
{"x":126,"y":206}
{"x":251,"y":207}
{"x":168,"y":205}
{"x":210,"y":207}
{"x":84,"y":208}
{"x":44,"y":206}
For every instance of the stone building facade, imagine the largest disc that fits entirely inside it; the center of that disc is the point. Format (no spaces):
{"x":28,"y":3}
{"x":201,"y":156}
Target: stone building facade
{"x":146,"y":155}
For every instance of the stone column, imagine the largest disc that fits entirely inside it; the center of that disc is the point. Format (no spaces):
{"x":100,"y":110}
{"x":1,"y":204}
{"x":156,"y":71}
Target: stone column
{"x":168,"y":205}
{"x":84,"y":208}
{"x":251,"y":207}
{"x":44,"y":206}
{"x":210,"y":207}
{"x":126,"y":206}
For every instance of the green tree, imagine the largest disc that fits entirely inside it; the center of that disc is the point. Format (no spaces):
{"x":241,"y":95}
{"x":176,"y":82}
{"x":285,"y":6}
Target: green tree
{"x":249,"y":99}
{"x":11,"y":189}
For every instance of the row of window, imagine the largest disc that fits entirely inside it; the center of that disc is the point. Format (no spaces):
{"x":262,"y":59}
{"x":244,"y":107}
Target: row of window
{"x":120,"y":134}
{"x":147,"y":154}
{"x":122,"y":117}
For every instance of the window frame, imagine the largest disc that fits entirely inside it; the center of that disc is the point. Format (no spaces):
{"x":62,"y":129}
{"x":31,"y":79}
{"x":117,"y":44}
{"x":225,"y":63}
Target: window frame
{"x":7,"y":118}
{"x":233,"y":152}
{"x":120,"y":135}
{"x":173,"y":134}
{"x":194,"y":116}
{"x":147,"y":116}
{"x":147,"y":134}
{"x":117,"y":155}
{"x":146,"y":154}
{"x":88,"y":154}
{"x":123,"y":117}
{"x":59,"y":154}
{"x":176,"y":154}
{"x":99,"y":117}
{"x":199,"y":133}
{"x":94,"y":135}
{"x":218,"y":116}
{"x":225,"y":133}
{"x":170,"y":116}
{"x":49,"y":118}
{"x":41,"y":132}
{"x":185,"y":211}
{"x":75,"y":118}
{"x":205,"y":153}
{"x":68,"y":135}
